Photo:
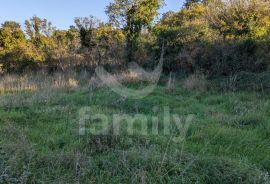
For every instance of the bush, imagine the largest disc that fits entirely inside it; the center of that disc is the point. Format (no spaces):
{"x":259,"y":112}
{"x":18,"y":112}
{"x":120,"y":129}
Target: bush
{"x":21,"y":58}
{"x":245,"y":81}
{"x":196,"y":82}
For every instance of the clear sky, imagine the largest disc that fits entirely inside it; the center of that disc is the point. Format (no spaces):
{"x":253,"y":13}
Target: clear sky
{"x":62,"y":12}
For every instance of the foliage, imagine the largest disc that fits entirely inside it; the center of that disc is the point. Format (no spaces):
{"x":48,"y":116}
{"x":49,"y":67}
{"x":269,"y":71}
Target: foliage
{"x":20,"y":58}
{"x":10,"y":35}
{"x":39,"y":30}
{"x":189,"y":3}
{"x":184,"y":33}
{"x":133,"y":16}
{"x":16,"y":53}
{"x":110,"y":43}
{"x":239,"y":18}
{"x":86,"y":27}
{"x":217,"y":37}
{"x":214,"y":37}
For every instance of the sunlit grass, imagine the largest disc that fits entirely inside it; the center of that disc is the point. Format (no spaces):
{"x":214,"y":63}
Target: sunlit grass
{"x":228,"y":141}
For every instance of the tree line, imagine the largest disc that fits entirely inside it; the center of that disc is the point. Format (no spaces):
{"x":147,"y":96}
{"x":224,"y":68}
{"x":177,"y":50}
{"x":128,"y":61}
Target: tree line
{"x":215,"y":37}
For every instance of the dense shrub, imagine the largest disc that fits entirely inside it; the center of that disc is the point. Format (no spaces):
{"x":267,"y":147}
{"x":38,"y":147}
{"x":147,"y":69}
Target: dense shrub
{"x":217,"y":38}
{"x":218,"y":42}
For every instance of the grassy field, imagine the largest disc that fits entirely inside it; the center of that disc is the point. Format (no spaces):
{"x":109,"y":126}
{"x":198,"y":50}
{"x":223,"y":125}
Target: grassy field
{"x":228,"y":140}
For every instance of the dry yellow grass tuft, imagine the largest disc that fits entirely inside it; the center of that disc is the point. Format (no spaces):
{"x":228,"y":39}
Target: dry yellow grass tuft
{"x":195,"y":82}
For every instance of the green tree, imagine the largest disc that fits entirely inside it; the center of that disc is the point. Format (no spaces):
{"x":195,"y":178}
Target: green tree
{"x":86,"y":27}
{"x":63,"y":50}
{"x":188,"y":3}
{"x":183,"y":32}
{"x":39,"y":31}
{"x":110,"y":43}
{"x":15,"y":51}
{"x":133,"y":16}
{"x":10,"y":35}
{"x":239,"y":18}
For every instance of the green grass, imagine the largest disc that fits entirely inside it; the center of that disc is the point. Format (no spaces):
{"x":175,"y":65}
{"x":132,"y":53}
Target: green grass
{"x":228,"y":141}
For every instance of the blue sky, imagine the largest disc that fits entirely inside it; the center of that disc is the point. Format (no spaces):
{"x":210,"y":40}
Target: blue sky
{"x":62,"y":12}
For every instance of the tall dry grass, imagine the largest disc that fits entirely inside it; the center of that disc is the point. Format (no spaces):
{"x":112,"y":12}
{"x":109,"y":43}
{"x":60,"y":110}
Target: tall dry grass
{"x":196,"y":82}
{"x":34,"y":82}
{"x":11,"y":83}
{"x":44,"y":88}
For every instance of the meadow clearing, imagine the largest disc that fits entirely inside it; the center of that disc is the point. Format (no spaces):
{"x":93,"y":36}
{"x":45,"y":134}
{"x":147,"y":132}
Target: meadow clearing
{"x":226,"y":142}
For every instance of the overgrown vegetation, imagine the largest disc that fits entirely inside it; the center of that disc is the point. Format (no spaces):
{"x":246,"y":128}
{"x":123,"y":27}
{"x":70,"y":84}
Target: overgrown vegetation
{"x":216,"y":67}
{"x":218,"y":38}
{"x":228,"y":141}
